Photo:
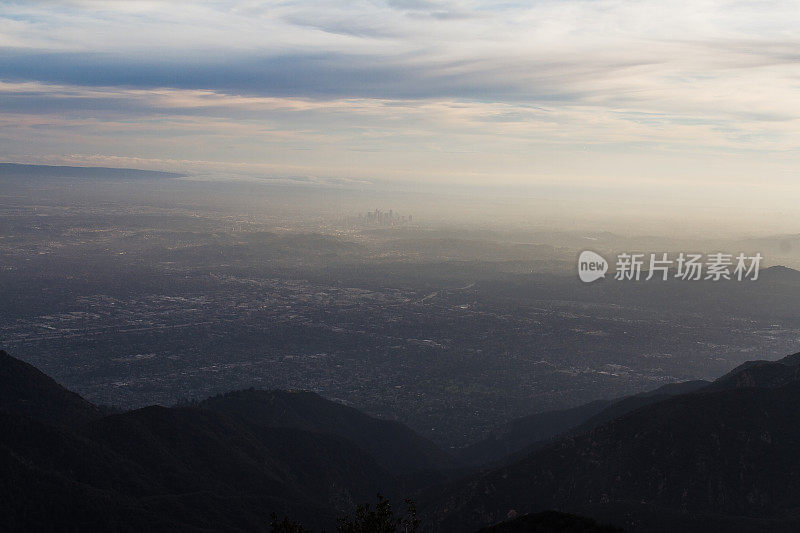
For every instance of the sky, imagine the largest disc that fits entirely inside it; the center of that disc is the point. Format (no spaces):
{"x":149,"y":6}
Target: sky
{"x":671,"y":99}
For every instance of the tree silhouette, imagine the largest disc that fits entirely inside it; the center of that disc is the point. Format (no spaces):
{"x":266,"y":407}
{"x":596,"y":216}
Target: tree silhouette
{"x":365,"y":519}
{"x":380,"y":519}
{"x":285,"y":525}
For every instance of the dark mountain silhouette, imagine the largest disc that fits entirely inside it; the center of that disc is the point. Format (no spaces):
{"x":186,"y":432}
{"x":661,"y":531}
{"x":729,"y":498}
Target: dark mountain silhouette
{"x":393,"y":445}
{"x":720,"y":459}
{"x":65,"y":467}
{"x":528,"y":433}
{"x":779,"y":273}
{"x":26,"y":390}
{"x":194,"y":450}
{"x":761,"y":374}
{"x":206,"y":475}
{"x":636,"y":401}
{"x":688,"y":457}
{"x":532,"y":432}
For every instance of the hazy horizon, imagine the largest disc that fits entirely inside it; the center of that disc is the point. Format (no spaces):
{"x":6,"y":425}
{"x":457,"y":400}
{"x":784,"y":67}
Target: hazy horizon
{"x":650,"y":112}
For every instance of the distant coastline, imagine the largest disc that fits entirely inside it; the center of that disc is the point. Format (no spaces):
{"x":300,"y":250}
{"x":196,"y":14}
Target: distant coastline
{"x":18,"y":170}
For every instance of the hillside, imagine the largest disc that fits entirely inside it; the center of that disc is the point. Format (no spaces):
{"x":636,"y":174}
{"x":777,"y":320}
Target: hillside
{"x":26,"y":390}
{"x":529,"y":433}
{"x":187,"y":469}
{"x":723,"y":458}
{"x":393,"y":445}
{"x":532,"y":432}
{"x":689,"y":457}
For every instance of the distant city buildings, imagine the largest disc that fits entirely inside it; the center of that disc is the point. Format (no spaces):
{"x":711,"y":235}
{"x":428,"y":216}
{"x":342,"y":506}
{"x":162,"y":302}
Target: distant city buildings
{"x":378,"y":217}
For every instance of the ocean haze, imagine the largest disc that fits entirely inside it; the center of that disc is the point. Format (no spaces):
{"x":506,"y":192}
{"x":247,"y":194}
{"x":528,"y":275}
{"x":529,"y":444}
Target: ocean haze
{"x":654,"y":109}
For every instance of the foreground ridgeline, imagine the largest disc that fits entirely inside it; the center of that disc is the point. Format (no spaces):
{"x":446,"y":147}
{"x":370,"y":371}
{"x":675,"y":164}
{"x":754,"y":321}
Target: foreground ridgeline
{"x":223,"y":465}
{"x":721,"y":458}
{"x":698,"y":456}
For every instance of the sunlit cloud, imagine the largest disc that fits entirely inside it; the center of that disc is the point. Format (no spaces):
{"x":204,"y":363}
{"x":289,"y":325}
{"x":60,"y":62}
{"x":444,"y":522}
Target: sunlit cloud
{"x":514,"y":92}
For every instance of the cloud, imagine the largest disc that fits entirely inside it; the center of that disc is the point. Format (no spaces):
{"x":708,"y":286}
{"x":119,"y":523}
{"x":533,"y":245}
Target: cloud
{"x":525,"y":52}
{"x":511,"y":90}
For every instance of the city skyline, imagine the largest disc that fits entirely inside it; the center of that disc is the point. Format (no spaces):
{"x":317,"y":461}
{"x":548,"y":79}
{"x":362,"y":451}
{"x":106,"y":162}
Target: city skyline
{"x":672,"y":100}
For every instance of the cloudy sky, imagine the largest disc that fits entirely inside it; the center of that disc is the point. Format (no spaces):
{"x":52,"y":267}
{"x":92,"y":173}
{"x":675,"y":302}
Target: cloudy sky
{"x":691,"y":95}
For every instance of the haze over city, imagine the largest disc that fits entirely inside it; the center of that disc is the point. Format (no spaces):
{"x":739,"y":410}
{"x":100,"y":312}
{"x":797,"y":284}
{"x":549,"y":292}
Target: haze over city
{"x":620,"y":102}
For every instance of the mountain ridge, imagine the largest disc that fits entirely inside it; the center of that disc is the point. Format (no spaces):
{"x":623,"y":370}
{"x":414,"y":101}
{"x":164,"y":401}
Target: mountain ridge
{"x":193,"y":468}
{"x":26,"y":389}
{"x":724,"y":456}
{"x":394,"y":445}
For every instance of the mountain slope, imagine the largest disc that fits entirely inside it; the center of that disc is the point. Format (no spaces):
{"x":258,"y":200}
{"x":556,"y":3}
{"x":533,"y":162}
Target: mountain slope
{"x":525,"y":431}
{"x":38,"y":486}
{"x":157,"y":468}
{"x":26,"y":390}
{"x":392,"y":444}
{"x":631,"y":403}
{"x":727,"y":456}
{"x":177,"y":469}
{"x":761,"y":374}
{"x":529,"y":433}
